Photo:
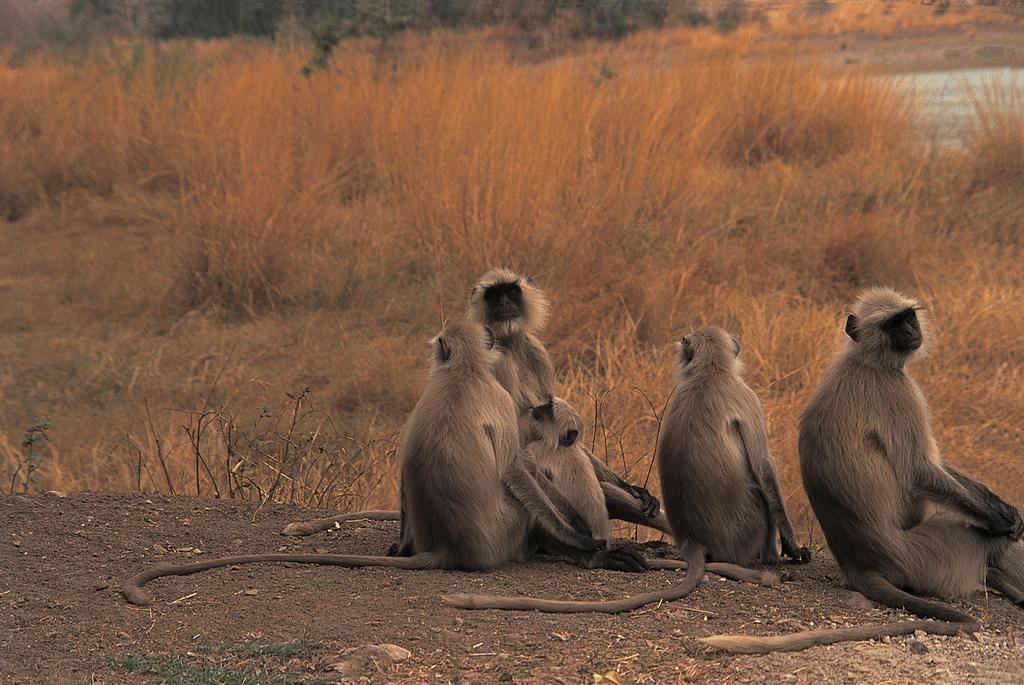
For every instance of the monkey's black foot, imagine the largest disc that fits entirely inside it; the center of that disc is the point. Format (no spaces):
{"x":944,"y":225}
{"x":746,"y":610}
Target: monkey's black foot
{"x":619,"y":560}
{"x":401,"y":549}
{"x":801,"y":555}
{"x":1006,"y":521}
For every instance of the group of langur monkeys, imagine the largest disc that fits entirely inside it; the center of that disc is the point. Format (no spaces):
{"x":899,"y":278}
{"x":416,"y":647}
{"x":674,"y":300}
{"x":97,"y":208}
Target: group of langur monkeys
{"x":492,"y":472}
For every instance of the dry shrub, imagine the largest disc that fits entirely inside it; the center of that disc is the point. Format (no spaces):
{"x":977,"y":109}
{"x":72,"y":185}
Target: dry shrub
{"x":262,"y":155}
{"x":865,"y":250}
{"x":485,"y":160}
{"x":48,"y":120}
{"x":996,"y":142}
{"x":794,"y":111}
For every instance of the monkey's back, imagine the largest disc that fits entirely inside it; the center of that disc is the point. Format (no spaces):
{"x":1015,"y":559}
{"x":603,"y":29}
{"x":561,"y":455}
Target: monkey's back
{"x":457,"y":443}
{"x":709,"y":495}
{"x":850,"y":471}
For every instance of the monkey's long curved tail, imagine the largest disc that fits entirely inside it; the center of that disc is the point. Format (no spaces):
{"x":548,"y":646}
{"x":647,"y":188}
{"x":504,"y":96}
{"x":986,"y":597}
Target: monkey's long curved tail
{"x":950,"y":621}
{"x":134,"y":593}
{"x":319,"y":525}
{"x":694,"y":572}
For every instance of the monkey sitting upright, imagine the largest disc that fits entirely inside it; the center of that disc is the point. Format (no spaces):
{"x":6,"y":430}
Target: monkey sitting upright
{"x":717,"y":477}
{"x":896,"y":516}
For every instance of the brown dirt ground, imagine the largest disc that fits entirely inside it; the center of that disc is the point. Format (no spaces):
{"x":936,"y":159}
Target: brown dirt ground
{"x":62,"y":616}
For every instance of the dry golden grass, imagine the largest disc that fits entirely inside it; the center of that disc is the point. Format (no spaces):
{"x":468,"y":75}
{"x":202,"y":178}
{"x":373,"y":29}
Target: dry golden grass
{"x":204,"y":230}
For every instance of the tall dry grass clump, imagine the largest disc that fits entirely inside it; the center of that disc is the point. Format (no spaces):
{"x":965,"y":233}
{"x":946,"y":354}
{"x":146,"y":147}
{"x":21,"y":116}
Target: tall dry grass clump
{"x":486,"y":159}
{"x":262,"y":156}
{"x":996,"y":142}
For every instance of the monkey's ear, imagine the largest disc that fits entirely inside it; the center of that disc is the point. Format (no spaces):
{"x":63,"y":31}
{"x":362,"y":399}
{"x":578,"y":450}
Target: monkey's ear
{"x":488,"y":338}
{"x":442,"y":349}
{"x":473,"y":290}
{"x":685,"y":351}
{"x":529,"y":279}
{"x":735,"y":347}
{"x":851,"y":328}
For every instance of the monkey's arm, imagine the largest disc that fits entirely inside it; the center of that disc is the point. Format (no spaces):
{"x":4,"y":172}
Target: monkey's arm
{"x":644,"y":504}
{"x":1002,"y":517}
{"x":547,"y":506}
{"x":762,"y":470}
{"x":624,"y":507}
{"x":560,"y":529}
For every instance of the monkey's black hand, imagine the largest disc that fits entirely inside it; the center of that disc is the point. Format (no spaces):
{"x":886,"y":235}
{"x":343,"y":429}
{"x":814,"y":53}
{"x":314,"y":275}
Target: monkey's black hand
{"x":619,"y":559}
{"x":650,"y":506}
{"x":1005,"y":520}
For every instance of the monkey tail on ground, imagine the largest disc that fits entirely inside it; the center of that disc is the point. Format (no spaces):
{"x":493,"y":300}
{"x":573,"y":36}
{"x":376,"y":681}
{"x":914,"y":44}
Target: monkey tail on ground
{"x":134,"y":593}
{"x":949,"y":621}
{"x":319,"y":525}
{"x":694,"y":572}
{"x":725,"y":570}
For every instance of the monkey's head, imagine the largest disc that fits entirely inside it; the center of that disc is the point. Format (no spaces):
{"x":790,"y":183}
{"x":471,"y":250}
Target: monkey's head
{"x":886,"y":326}
{"x":555,"y":423}
{"x":708,"y":348}
{"x":463,"y":345}
{"x":508,"y":302}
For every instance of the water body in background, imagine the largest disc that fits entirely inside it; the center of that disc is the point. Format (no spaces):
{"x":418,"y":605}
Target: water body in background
{"x":945,"y":97}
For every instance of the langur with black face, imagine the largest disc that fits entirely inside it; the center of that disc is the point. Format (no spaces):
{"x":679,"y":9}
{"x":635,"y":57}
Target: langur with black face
{"x":898,"y":519}
{"x":718,"y":478}
{"x":473,"y":499}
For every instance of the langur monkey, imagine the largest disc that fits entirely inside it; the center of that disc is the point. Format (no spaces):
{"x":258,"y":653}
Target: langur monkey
{"x":898,"y":519}
{"x":717,"y":476}
{"x":473,"y":499}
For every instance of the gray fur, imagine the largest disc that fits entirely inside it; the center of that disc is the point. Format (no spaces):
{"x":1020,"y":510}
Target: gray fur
{"x":718,"y":478}
{"x":897,"y":518}
{"x":460,"y":439}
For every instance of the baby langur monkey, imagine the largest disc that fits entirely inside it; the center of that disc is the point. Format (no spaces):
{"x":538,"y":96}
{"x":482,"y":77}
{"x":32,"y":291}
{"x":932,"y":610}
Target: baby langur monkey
{"x":554,"y":430}
{"x":717,"y":475}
